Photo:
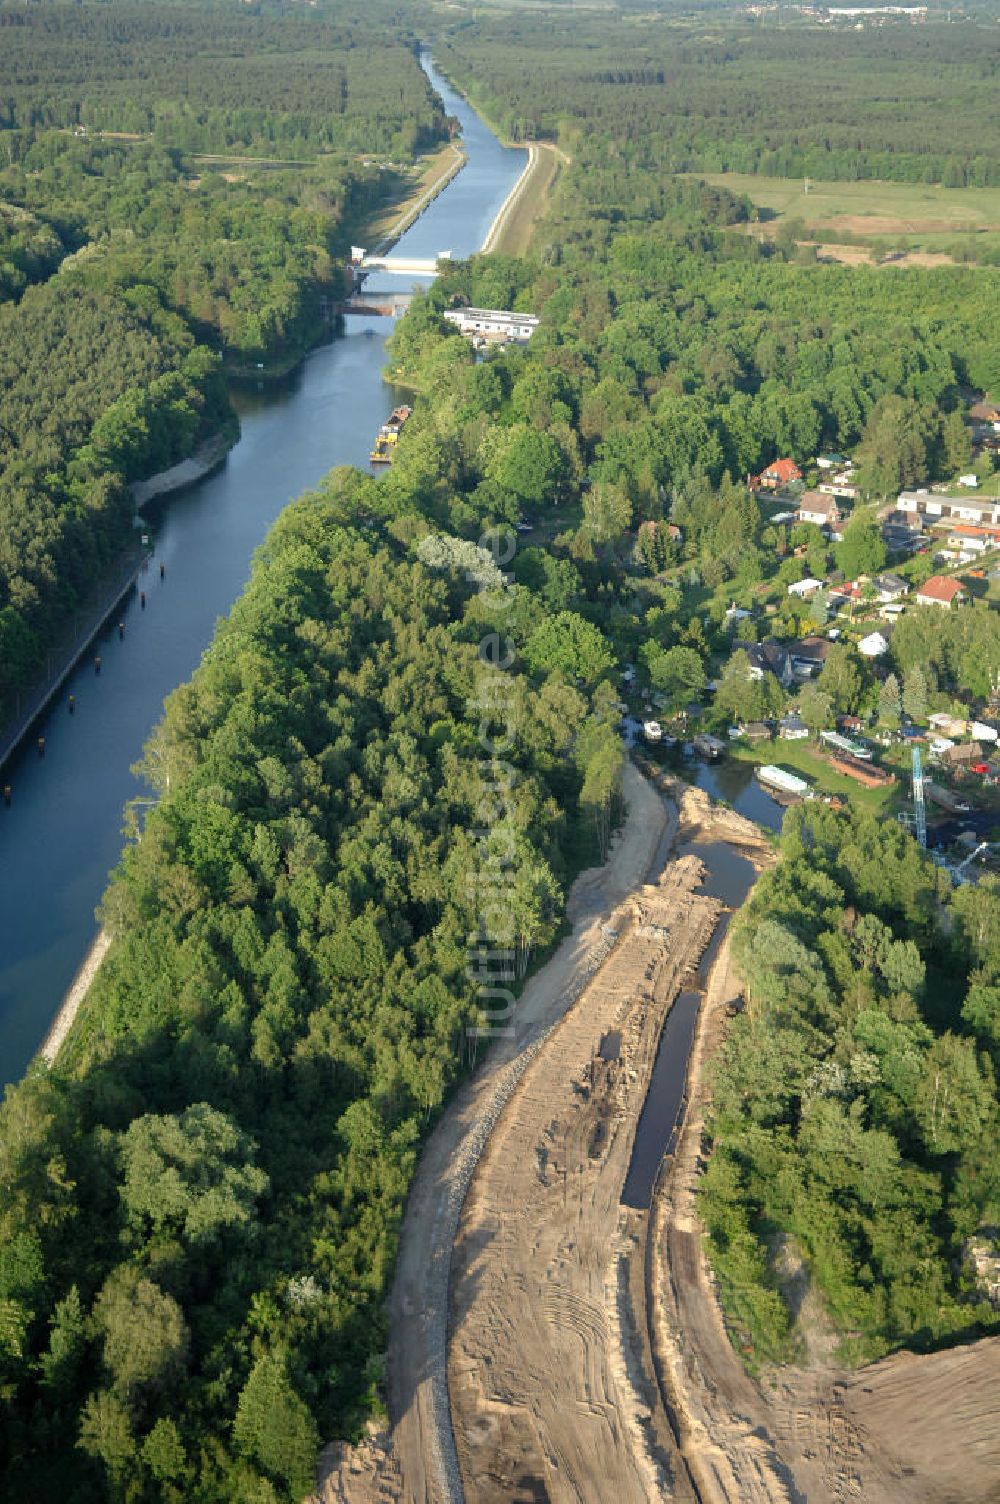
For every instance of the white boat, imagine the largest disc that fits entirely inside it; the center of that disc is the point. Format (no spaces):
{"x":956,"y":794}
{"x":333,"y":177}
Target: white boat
{"x":776,"y":780}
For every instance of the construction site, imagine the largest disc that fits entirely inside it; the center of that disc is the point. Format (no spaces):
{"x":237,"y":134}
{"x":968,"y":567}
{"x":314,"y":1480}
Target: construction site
{"x":556,"y":1334}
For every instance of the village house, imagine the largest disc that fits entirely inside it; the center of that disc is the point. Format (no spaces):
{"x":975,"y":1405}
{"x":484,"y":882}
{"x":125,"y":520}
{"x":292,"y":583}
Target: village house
{"x":819,"y":509}
{"x":830,"y":461}
{"x":947,"y":724}
{"x":890,"y":587}
{"x":961,"y":755}
{"x":840,"y":488}
{"x":793,"y":728}
{"x":848,"y":592}
{"x":902,"y":534}
{"x":805,"y":588}
{"x":776,"y":477}
{"x":986,"y":413}
{"x":770,"y":657}
{"x":970,"y":541}
{"x":808,"y":656}
{"x":940,"y":591}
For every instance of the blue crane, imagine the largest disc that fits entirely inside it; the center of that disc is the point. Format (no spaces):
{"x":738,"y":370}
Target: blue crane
{"x":919,"y":811}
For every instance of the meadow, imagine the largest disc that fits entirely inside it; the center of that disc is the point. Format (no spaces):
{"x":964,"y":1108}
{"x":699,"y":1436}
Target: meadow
{"x":920,"y":217}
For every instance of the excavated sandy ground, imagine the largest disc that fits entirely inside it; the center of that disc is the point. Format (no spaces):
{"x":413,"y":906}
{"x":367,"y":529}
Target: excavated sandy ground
{"x":419,"y":1301}
{"x":543,"y":1403}
{"x":908,"y":1430}
{"x":563,"y":1385}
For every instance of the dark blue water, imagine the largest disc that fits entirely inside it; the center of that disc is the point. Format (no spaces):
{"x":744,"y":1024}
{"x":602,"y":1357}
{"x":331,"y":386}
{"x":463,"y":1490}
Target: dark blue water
{"x":63,"y":832}
{"x":734,"y":783}
{"x":729,"y":878}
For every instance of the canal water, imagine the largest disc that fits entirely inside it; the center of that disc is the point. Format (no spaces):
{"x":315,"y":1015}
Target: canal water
{"x":62,"y":834}
{"x":728,"y":877}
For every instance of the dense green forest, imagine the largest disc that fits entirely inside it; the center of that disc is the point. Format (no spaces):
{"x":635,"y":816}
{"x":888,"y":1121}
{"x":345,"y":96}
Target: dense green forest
{"x":855,"y":1102}
{"x":94,"y":391}
{"x":200,"y":1205}
{"x":245,"y":259}
{"x":218,"y":79}
{"x":729,"y":95}
{"x":102,"y":382}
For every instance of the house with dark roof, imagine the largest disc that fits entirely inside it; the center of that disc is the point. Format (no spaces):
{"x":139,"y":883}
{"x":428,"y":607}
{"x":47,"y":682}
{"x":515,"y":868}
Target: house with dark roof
{"x":985,"y":412}
{"x":819,"y":509}
{"x":890,"y":587}
{"x":770,"y":657}
{"x":808,"y":656}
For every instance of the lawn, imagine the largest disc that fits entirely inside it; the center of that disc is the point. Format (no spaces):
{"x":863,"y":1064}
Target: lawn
{"x":920,"y":216}
{"x":802,"y":757}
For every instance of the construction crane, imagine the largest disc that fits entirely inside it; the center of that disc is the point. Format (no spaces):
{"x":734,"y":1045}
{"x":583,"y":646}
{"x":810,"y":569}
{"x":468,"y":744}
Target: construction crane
{"x":919,"y":811}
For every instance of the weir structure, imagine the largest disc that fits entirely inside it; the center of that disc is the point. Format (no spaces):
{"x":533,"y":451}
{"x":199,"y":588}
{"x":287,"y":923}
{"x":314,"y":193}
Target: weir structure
{"x":395,"y":266}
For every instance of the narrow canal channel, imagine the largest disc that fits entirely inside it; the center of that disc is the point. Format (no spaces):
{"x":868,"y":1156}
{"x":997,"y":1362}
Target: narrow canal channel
{"x":729,"y":876}
{"x":62,"y":834}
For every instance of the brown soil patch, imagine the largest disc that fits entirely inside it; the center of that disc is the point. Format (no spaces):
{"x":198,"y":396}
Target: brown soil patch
{"x":544,"y":1400}
{"x":877,"y":224}
{"x":908,"y":1430}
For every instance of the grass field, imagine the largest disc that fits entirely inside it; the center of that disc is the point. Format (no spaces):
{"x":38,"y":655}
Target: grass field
{"x":801,"y":757}
{"x":404,"y":189}
{"x":919,"y":216}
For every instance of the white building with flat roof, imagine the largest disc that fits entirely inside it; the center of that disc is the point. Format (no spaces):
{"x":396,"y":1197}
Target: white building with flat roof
{"x":935,"y":506}
{"x":493,"y":324}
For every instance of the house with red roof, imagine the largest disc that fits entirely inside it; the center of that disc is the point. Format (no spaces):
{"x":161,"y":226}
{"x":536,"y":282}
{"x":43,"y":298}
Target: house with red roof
{"x":940,"y":591}
{"x":776,"y":477}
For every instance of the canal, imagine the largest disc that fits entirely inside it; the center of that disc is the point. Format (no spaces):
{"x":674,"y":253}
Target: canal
{"x":63,"y":832}
{"x":729,"y":876}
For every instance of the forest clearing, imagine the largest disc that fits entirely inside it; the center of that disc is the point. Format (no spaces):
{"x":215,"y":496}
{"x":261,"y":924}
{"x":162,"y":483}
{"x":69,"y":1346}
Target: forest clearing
{"x":925,"y":216}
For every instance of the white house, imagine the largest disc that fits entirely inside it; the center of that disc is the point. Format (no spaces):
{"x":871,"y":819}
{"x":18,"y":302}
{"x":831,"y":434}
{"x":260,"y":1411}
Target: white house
{"x":805,"y":588}
{"x":873,"y":646}
{"x":819,"y":509}
{"x":493,"y":323}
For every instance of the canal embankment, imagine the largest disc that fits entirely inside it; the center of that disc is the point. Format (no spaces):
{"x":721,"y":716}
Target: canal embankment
{"x":62,"y":834}
{"x":455,"y":158}
{"x":205,"y":460}
{"x":67,"y":651}
{"x":513,"y":229}
{"x":65,"y":1018}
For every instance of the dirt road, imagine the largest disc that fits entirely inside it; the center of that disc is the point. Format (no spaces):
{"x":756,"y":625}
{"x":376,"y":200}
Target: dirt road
{"x":908,"y":1430}
{"x":549,"y":1397}
{"x":419,"y":1305}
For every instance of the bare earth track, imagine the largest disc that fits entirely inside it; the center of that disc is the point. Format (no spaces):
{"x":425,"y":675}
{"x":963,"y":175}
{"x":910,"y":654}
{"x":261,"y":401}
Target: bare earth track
{"x":548,"y":1343}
